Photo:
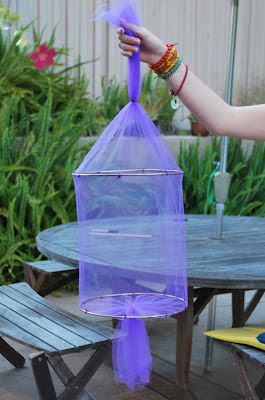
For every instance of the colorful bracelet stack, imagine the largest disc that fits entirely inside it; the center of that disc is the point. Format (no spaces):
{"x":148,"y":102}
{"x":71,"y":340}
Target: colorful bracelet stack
{"x":169,"y":63}
{"x":166,"y":66}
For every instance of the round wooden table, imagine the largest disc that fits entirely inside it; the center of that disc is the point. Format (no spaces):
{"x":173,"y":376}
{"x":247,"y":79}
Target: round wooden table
{"x":233,"y":264}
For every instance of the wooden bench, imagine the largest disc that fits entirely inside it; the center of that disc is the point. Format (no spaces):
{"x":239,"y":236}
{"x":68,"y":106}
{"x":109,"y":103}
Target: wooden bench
{"x":29,"y":319}
{"x":240,"y":354}
{"x":36,"y":274}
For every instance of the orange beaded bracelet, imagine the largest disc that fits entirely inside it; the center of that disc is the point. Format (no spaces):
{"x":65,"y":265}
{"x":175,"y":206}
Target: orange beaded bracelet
{"x":168,"y":64}
{"x":156,"y":66}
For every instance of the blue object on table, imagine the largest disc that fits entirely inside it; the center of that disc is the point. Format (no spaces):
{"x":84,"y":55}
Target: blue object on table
{"x":261,"y":337}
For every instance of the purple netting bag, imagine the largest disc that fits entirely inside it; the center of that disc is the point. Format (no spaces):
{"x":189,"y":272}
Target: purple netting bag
{"x":130,"y":226}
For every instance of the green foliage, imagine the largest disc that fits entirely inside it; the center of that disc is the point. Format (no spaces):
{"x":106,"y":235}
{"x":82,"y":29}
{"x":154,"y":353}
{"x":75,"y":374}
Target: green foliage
{"x":246,"y":195}
{"x":156,"y":101}
{"x":36,"y":189}
{"x":42,"y":116}
{"x":154,"y":98}
{"x":114,"y":98}
{"x":20,"y":78}
{"x":7,"y":16}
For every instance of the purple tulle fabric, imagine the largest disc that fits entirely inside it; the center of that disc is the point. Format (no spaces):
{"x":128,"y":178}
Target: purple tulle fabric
{"x":130,"y":225}
{"x":129,"y":365}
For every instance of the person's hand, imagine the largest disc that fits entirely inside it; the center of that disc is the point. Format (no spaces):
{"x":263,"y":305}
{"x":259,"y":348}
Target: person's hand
{"x":151,"y":47}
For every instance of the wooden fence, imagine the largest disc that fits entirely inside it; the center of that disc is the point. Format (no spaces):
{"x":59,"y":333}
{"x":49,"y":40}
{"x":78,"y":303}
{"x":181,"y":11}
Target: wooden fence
{"x":200,"y":26}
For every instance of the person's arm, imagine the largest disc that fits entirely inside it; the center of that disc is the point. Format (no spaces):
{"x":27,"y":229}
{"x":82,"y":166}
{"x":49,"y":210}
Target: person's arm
{"x":213,"y":112}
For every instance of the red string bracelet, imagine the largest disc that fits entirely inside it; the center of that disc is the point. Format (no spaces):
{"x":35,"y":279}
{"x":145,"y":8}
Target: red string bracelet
{"x":182,"y":83}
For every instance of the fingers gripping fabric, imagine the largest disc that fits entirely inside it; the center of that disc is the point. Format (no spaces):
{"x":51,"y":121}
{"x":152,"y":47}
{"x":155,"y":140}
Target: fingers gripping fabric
{"x":130,"y":225}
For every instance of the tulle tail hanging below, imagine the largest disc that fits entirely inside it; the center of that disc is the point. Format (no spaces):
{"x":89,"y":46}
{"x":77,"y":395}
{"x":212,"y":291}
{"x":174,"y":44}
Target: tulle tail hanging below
{"x":131,"y":356}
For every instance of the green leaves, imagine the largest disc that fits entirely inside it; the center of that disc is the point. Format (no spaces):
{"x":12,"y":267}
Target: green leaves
{"x":246,"y":195}
{"x":156,"y":101}
{"x":36,"y":188}
{"x":42,"y":116}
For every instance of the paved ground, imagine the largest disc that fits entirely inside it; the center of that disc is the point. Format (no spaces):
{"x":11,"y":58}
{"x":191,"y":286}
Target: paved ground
{"x":220,"y":384}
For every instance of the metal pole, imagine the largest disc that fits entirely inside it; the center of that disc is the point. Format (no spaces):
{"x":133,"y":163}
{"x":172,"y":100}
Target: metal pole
{"x":209,"y":343}
{"x":222,"y":179}
{"x":228,"y":99}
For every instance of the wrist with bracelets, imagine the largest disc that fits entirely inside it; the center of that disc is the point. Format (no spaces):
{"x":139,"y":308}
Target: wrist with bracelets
{"x":168,"y":65}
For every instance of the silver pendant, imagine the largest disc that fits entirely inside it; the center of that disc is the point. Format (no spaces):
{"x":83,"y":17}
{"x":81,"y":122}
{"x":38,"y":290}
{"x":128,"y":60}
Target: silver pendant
{"x":175,"y":104}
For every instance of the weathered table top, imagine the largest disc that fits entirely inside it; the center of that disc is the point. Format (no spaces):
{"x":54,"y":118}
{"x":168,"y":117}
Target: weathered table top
{"x":235,"y":262}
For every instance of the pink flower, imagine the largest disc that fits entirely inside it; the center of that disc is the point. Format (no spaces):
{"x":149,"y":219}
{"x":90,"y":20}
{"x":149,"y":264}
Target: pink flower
{"x":43,"y":56}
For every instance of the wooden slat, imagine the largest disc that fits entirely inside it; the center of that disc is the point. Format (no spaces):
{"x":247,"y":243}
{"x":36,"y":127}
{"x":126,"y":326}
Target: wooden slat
{"x":61,"y":320}
{"x":83,"y":325}
{"x":255,"y":355}
{"x":27,"y":10}
{"x":49,"y":266}
{"x":101,"y":51}
{"x":256,"y":24}
{"x":242,"y":60}
{"x":29,"y":319}
{"x":59,"y":20}
{"x":87,"y":39}
{"x":41,"y":318}
{"x":73,"y":27}
{"x":36,"y":331}
{"x":12,"y":330}
{"x":46,"y":22}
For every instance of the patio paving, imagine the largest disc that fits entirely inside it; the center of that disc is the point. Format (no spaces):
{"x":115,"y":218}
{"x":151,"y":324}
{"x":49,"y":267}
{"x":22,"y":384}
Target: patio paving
{"x":220,"y":384}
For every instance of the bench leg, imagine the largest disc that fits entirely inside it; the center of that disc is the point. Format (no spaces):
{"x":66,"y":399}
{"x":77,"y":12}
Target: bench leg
{"x":245,"y":380}
{"x":260,"y":388}
{"x":183,"y":348}
{"x":74,"y":384}
{"x":60,"y":282}
{"x":42,"y":376}
{"x":11,"y":354}
{"x":81,"y":379}
{"x":66,"y":376}
{"x":35,"y":282}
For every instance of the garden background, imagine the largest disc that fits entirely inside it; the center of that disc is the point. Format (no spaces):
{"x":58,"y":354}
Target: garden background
{"x":45,"y":113}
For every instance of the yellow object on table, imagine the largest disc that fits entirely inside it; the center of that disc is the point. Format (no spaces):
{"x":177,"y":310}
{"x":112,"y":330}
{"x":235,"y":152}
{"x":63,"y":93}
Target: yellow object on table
{"x":245,"y":335}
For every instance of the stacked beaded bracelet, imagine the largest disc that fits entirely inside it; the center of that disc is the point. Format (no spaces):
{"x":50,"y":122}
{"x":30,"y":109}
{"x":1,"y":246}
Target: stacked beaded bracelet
{"x":167,"y":66}
{"x":169,"y":63}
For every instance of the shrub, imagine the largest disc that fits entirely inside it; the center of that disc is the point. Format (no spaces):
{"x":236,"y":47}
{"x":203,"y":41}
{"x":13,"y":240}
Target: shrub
{"x":154,"y":98}
{"x":42,"y":116}
{"x":246,"y":195}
